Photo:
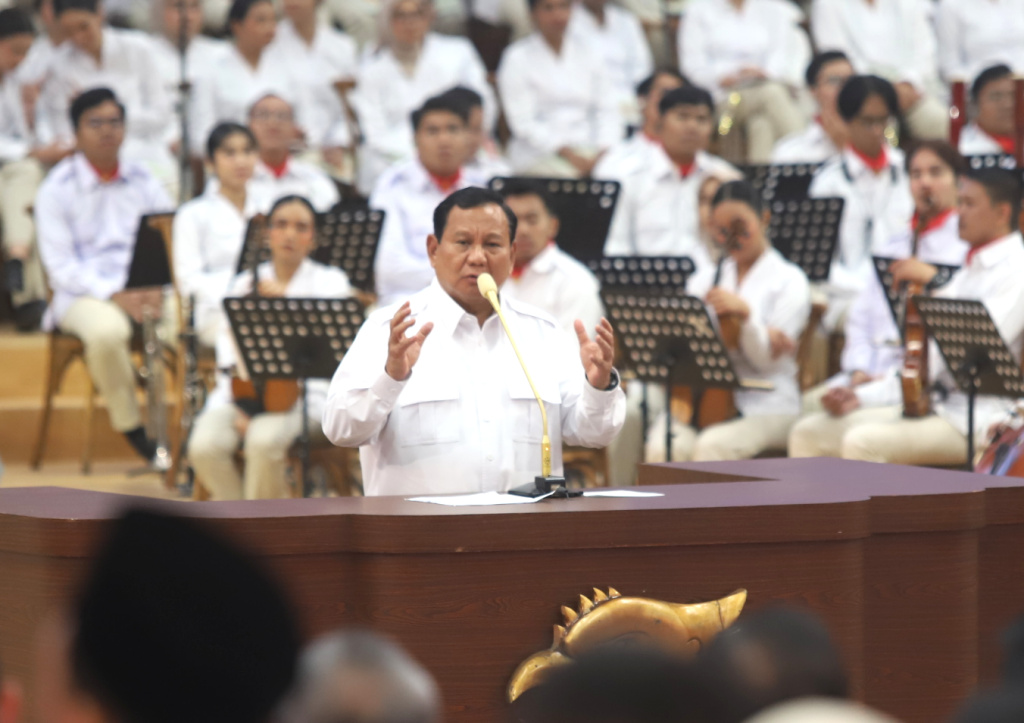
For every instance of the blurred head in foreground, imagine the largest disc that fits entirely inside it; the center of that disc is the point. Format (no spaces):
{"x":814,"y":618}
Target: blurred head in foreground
{"x":997,"y":706}
{"x":820,"y":710}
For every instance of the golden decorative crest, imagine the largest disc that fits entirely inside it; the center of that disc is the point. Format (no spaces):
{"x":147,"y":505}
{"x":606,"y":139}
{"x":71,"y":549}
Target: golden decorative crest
{"x":611,"y":617}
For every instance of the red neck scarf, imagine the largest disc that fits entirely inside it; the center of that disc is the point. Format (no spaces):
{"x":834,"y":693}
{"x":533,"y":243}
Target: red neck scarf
{"x":876,"y":164}
{"x":933,"y":223}
{"x":446,"y":184}
{"x":975,"y":250}
{"x":108,"y":176}
{"x":278,"y":171}
{"x":518,"y":269}
{"x":1007,"y":143}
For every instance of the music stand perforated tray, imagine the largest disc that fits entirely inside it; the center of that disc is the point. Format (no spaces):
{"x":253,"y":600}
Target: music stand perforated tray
{"x":806,"y":232}
{"x":781,"y":181}
{"x":150,"y":265}
{"x":894,"y":296}
{"x":653,"y":275}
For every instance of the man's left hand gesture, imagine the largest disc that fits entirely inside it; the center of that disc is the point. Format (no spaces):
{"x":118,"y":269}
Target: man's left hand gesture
{"x":598,"y":353}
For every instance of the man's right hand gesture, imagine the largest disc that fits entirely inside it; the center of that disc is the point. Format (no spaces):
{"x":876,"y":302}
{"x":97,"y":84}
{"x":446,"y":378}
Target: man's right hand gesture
{"x":403,"y":351}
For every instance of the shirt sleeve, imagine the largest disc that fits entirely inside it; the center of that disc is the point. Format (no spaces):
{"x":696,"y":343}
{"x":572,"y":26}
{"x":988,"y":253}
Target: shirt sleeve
{"x":590,"y":417}
{"x":787,"y":312}
{"x":189,"y":271}
{"x":948,"y":33}
{"x":522,"y":112}
{"x":370,"y":100}
{"x":828,"y":32}
{"x":695,"y":58}
{"x":154,"y":115}
{"x":859,"y":347}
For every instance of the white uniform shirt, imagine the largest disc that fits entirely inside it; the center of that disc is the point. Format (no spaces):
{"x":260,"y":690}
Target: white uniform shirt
{"x":408,"y":196}
{"x":16,"y":139}
{"x":811,"y":145}
{"x":976,"y":34}
{"x":299,"y":178}
{"x":202,"y":54}
{"x":626,"y":157}
{"x":561,"y":286}
{"x":312,"y":280}
{"x":657,"y":213}
{"x":86,"y":228}
{"x":465,"y":420}
{"x":779,"y":297}
{"x":891,"y":38}
{"x":716,"y":40}
{"x":35,"y":68}
{"x":552,"y":101}
{"x":976,"y":142}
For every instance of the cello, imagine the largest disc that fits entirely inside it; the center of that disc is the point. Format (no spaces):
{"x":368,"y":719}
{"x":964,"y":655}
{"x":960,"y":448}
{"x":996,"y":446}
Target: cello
{"x":914,"y":373}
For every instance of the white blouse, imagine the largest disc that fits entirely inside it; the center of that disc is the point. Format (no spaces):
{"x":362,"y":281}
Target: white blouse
{"x":976,"y":34}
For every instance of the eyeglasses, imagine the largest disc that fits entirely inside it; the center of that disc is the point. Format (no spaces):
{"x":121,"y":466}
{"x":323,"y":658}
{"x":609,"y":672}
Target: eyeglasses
{"x":97,"y":124}
{"x":267,"y":115}
{"x":408,"y":16}
{"x":879,"y":122}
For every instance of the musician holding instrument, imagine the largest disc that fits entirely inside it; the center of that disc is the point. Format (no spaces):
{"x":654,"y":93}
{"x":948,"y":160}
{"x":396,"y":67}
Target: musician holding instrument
{"x":264,"y":420}
{"x":762,"y":302}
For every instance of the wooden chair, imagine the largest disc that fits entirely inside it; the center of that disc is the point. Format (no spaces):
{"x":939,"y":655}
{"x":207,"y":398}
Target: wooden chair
{"x":590,"y":464}
{"x":807,"y":374}
{"x":339,"y":465}
{"x":64,"y":349}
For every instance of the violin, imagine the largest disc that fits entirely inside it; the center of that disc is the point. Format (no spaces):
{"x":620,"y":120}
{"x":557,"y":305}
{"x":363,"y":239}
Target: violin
{"x":1004,"y":455}
{"x":914,"y":373}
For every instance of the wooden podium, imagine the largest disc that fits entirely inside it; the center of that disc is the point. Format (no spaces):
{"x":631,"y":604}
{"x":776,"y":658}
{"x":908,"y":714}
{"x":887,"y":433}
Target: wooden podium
{"x":915,"y":570}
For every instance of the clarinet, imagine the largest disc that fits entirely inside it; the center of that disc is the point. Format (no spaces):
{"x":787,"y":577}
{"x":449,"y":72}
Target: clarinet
{"x":193,"y":389}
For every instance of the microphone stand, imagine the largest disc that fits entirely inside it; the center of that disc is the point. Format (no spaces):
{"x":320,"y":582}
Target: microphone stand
{"x":185,"y":89}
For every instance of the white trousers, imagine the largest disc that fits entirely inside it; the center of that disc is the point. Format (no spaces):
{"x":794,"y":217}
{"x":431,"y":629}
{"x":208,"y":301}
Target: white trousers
{"x":929,"y":119}
{"x":740,"y":438}
{"x":766,"y":112}
{"x":19,"y":181}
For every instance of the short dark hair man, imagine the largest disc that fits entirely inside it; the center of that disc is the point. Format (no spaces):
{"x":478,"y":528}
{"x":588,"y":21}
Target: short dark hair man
{"x":994,"y":123}
{"x":826,"y":136}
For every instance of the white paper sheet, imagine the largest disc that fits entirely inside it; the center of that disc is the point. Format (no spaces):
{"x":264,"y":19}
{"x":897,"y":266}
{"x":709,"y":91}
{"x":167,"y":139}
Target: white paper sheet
{"x":620,"y":493}
{"x":480,"y":499}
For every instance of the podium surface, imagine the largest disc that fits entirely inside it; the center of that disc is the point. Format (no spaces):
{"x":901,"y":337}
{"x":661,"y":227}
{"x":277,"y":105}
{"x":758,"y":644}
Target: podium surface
{"x":914,"y":570}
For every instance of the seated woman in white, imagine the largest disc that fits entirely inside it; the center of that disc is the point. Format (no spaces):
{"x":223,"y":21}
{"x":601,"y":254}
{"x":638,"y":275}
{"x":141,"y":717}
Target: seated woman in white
{"x":209,"y":230}
{"x":226,"y":423}
{"x":766,"y":301}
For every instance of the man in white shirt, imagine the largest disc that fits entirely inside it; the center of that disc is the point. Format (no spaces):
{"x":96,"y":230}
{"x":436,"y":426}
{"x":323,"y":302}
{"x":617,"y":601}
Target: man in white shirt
{"x":994,"y":125}
{"x":545,"y":276}
{"x":976,"y":34}
{"x":277,"y":172}
{"x":409,"y":191}
{"x":87,"y":216}
{"x":482,"y":152}
{"x":555,"y":92}
{"x":657,"y":212}
{"x":823,"y":138}
{"x":431,"y":390}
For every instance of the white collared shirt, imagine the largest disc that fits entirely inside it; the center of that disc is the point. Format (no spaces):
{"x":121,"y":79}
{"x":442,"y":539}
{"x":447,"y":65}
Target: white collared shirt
{"x":657,"y":213}
{"x":408,"y":196}
{"x":976,"y":142}
{"x":626,"y":156}
{"x":300,"y":179}
{"x":561,"y":286}
{"x":465,"y":420}
{"x":811,"y":145}
{"x":554,"y":101}
{"x":779,"y":297}
{"x":86,"y":229}
{"x":35,"y":68}
{"x":16,"y":139}
{"x":976,"y":34}
{"x":202,"y":54}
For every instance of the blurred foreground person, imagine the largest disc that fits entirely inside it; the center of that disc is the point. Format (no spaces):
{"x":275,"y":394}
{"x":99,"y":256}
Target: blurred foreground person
{"x":997,"y":706}
{"x":821,"y":710}
{"x":172,"y":625}
{"x":10,"y":697}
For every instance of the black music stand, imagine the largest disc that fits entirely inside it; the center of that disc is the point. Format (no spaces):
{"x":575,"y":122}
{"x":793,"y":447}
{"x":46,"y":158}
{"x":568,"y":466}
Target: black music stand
{"x":301,"y":339}
{"x":781,"y":181}
{"x":991,"y":160}
{"x":806,"y":232}
{"x":588,"y":203}
{"x":670,"y":341}
{"x":897,"y":296}
{"x":649,"y":274}
{"x":974,"y":352}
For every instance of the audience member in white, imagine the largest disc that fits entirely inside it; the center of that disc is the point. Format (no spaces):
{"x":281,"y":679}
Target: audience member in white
{"x":771,"y":299}
{"x":209,"y":230}
{"x":544,"y":276}
{"x":869,"y":175}
{"x":896,"y":40}
{"x":873,"y":353}
{"x":975,"y":34}
{"x":826,"y":135}
{"x":227,"y":424}
{"x":989,"y":206}
{"x":431,"y":390}
{"x":624,"y":156}
{"x":483,"y":154}
{"x":87,"y":216}
{"x":555,"y":92}
{"x":992,"y":128}
{"x":656,"y":214}
{"x":754,"y":48}
{"x":409,"y":191}
{"x":410,"y":65}
{"x":278,"y":173}
{"x":322,"y":62}
{"x":36,"y":68}
{"x":622,"y":45}
{"x":95,"y":55}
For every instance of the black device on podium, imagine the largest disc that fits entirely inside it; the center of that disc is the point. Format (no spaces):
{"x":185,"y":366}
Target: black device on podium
{"x":806,"y":232}
{"x":585,"y":207}
{"x":974,"y":352}
{"x":652,"y":274}
{"x":781,"y":181}
{"x":300,"y":339}
{"x":896,"y":297}
{"x":670,"y":340}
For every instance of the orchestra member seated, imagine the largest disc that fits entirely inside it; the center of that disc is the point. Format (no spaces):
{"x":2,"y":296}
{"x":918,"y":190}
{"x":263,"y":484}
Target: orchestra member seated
{"x":976,"y":35}
{"x":209,"y":231}
{"x":994,"y":124}
{"x":228,"y":421}
{"x":431,"y":390}
{"x":555,"y":92}
{"x":483,"y":156}
{"x":826,"y":135}
{"x":409,"y":191}
{"x":873,"y":353}
{"x":869,"y":176}
{"x":989,"y":206}
{"x":656,"y":214}
{"x":762,"y":302}
{"x":87,"y":216}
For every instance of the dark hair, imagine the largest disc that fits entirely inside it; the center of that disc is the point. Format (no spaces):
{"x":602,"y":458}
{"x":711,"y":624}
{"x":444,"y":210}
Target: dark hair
{"x":240,"y":9}
{"x":439,"y":103}
{"x":1001,"y":186}
{"x":946,"y":153}
{"x":472,"y":197}
{"x":989,"y":75}
{"x":15,"y":22}
{"x":742,"y":191}
{"x":686,"y":95}
{"x":465,"y":97}
{"x":643,"y":88}
{"x":527,"y":187}
{"x":859,"y":88}
{"x":997,"y":706}
{"x":818,"y":62}
{"x":89,"y":100}
{"x":89,"y":6}
{"x":223,"y":131}
{"x":1013,"y":654}
{"x":291,"y":198}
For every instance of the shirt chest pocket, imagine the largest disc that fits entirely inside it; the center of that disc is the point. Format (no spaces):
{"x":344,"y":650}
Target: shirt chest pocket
{"x":428,"y":414}
{"x":528,"y":425}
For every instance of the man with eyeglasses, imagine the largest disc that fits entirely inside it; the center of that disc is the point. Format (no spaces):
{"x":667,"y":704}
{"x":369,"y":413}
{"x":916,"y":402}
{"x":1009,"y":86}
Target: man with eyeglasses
{"x":826,"y":135}
{"x":994,"y":124}
{"x":87,"y":215}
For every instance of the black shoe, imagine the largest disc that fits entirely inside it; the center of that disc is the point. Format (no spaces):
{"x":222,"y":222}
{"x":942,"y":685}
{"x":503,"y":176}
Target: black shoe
{"x":142,"y":444}
{"x":29,"y":317}
{"x":14,"y":273}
